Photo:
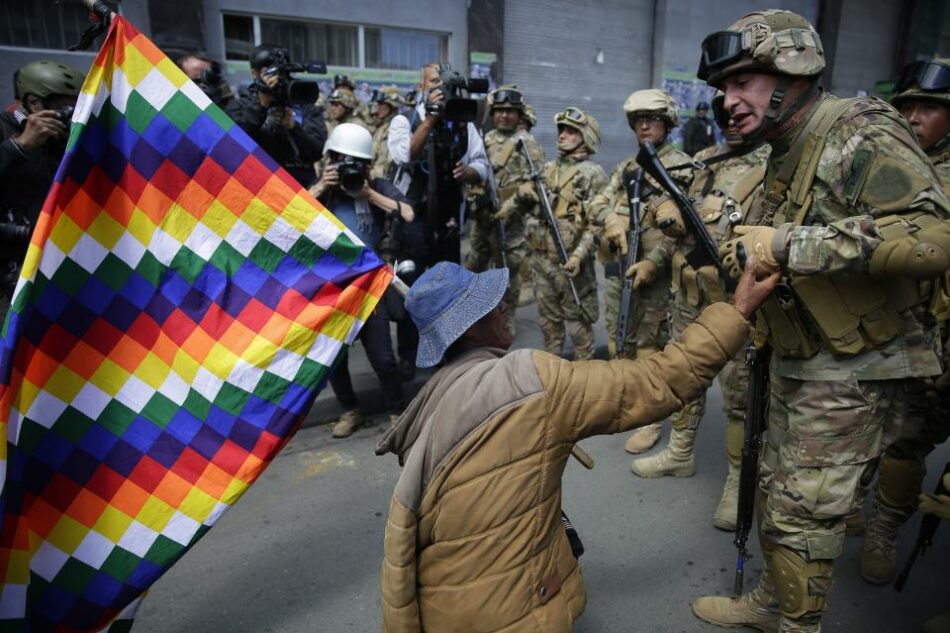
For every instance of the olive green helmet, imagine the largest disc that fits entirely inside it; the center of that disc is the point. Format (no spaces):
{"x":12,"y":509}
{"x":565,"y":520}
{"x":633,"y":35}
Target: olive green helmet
{"x":584,"y":123}
{"x":389,"y":95}
{"x":44,"y":78}
{"x":506,"y":96}
{"x":772,"y":41}
{"x":927,"y":80}
{"x":652,"y":101}
{"x":345,"y":97}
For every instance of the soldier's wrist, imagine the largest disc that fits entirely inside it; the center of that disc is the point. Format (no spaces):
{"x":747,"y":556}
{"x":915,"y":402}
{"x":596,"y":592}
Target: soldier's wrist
{"x":780,"y":243}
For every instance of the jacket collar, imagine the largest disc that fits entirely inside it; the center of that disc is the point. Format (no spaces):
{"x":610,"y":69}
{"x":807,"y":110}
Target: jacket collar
{"x":401,"y":437}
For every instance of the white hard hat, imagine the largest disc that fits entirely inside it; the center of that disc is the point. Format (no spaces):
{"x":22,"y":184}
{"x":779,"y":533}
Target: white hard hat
{"x":350,"y":139}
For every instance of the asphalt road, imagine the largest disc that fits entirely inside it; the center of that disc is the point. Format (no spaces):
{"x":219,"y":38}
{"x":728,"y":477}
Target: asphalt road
{"x":301,"y":552}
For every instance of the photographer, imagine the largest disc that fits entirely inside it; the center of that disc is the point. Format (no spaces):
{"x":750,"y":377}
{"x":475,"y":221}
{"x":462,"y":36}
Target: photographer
{"x":293,"y":133}
{"x":33,"y":143}
{"x":207,"y":75}
{"x":369,"y":208}
{"x":409,"y":143}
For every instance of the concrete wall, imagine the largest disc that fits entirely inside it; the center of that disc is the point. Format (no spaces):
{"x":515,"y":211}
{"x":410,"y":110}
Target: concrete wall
{"x":866,"y":46}
{"x":551,"y":49}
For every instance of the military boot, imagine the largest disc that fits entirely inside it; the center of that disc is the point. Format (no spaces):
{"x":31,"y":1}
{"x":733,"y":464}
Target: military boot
{"x":643,"y":439}
{"x":879,"y":556}
{"x":725,"y":516}
{"x":347,"y":424}
{"x":757,"y":609}
{"x":675,"y":460}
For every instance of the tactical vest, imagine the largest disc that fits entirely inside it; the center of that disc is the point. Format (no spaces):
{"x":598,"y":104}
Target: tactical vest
{"x":567,"y":208}
{"x":498,"y":157}
{"x":850,"y":314}
{"x":720,"y":210}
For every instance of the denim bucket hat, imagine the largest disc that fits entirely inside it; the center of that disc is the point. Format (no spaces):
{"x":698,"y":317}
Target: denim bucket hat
{"x":447,"y":300}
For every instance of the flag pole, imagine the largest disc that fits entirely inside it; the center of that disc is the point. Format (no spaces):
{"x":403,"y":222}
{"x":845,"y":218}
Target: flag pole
{"x":99,"y":8}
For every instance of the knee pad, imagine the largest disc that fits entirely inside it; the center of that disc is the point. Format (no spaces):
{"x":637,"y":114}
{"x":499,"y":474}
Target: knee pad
{"x":689,"y":416}
{"x":800,"y":586}
{"x":900,"y":480}
{"x":735,"y":438}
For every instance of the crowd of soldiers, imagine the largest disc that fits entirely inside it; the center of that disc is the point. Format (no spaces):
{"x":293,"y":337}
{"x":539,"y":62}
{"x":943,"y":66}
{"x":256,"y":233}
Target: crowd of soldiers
{"x":847,"y":199}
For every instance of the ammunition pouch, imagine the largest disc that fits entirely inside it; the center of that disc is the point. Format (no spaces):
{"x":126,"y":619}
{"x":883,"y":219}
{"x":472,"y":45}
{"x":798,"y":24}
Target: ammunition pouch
{"x":504,"y":193}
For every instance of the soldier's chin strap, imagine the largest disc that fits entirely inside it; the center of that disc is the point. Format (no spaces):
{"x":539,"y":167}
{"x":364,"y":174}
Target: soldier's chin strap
{"x":773,"y":118}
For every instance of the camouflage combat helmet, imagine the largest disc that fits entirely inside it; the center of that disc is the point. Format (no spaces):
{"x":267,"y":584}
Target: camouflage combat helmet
{"x":928,"y":80}
{"x":506,"y":96}
{"x":389,"y":95}
{"x":584,"y":123}
{"x":44,"y":78}
{"x":652,"y":101}
{"x":529,"y":115}
{"x":345,"y":97}
{"x":772,"y":41}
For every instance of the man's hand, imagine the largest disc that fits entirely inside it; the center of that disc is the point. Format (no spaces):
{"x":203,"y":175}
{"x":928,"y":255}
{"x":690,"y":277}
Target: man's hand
{"x":572,"y":266}
{"x":465,"y":174}
{"x":938,"y":505}
{"x":643,"y":273}
{"x":615,"y":230}
{"x":751,"y":241}
{"x":505,"y":210}
{"x":270,"y":81}
{"x":328,"y":180}
{"x":751,"y":292}
{"x":434,"y":97}
{"x":670,"y":219}
{"x":40,"y":127}
{"x":288,"y":122}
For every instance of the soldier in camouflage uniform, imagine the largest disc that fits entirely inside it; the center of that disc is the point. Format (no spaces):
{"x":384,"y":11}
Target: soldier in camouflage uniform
{"x":506,"y":104}
{"x":388,"y":100}
{"x":902,"y":467}
{"x":571,"y":182}
{"x":725,"y":190}
{"x":651,"y":115}
{"x":855,"y":220}
{"x":342,"y":108}
{"x":527,"y":296}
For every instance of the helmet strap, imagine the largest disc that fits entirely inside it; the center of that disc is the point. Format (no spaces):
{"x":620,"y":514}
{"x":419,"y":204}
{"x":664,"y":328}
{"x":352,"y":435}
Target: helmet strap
{"x":774,"y":119}
{"x":940,"y":145}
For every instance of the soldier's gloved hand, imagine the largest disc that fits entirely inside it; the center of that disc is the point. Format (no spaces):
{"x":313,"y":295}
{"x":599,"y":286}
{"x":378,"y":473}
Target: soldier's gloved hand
{"x":938,"y":505}
{"x":643,"y":273}
{"x":572,"y":266}
{"x":669,"y":219}
{"x":751,"y":241}
{"x":615,"y":230}
{"x":505,"y":210}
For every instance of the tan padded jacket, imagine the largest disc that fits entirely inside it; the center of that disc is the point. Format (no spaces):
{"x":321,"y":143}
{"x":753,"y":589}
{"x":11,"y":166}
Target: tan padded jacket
{"x":474,"y":540}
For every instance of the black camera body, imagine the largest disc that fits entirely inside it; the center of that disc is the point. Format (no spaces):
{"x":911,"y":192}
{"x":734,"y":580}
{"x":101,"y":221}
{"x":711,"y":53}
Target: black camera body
{"x":65,"y":114}
{"x":352,"y":173}
{"x":289,"y":90}
{"x":456,"y":106}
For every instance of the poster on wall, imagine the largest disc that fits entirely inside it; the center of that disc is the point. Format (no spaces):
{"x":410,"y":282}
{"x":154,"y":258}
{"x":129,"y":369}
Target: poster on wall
{"x":687,"y":90}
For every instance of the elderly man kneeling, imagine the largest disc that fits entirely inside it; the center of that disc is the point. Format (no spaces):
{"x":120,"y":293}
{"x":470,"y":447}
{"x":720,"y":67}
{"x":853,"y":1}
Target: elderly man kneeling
{"x":474,"y":539}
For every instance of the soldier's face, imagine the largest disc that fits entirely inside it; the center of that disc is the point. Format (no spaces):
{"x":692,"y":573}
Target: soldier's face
{"x":747,"y":99}
{"x":649,"y":129}
{"x":337,"y":111}
{"x":930,"y":120}
{"x":505,"y":118}
{"x":383,"y":110}
{"x":568,"y":139}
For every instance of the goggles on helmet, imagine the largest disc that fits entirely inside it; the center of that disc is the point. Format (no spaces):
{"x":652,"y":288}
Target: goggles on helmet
{"x":929,"y":75}
{"x":571,"y":115}
{"x":719,"y":49}
{"x":512,"y":97}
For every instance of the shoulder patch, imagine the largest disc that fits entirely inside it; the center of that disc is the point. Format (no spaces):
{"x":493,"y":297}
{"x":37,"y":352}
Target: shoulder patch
{"x":857,"y":174}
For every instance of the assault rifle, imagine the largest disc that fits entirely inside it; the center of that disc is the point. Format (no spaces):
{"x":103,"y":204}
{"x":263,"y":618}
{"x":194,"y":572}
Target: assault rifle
{"x":925,"y":538}
{"x":706,"y":252}
{"x":491,"y":186}
{"x":757,"y":401}
{"x":552,"y":221}
{"x":632,"y":187}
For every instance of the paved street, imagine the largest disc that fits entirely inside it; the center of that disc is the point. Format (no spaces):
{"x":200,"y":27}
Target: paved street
{"x":301,"y":552}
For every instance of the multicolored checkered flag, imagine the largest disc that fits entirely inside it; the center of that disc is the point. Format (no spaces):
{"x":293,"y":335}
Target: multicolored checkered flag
{"x":180,"y":306}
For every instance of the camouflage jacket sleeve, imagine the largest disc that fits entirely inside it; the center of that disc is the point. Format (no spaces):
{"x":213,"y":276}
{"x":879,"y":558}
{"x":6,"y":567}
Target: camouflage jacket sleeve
{"x":604,"y":201}
{"x":587,"y":183}
{"x":871,"y":169}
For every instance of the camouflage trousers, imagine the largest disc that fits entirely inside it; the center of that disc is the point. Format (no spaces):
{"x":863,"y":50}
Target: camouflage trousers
{"x":649,"y":324}
{"x":484,"y":253}
{"x":733,"y":381}
{"x":558,"y":313}
{"x":822,"y":439}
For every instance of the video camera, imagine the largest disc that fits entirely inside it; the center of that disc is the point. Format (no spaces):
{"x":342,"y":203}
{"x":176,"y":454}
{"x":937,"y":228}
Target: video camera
{"x":456,"y":106}
{"x":288,"y":91}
